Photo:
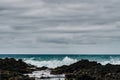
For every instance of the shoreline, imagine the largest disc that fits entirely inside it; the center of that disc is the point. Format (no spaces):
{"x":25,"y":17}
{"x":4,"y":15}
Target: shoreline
{"x":78,"y":71}
{"x":53,"y":61}
{"x":45,"y":74}
{"x":12,"y":69}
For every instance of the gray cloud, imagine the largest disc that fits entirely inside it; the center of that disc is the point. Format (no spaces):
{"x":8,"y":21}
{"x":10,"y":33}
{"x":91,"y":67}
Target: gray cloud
{"x":59,"y":26}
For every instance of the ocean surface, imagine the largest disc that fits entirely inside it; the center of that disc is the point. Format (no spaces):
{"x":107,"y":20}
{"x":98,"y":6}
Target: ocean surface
{"x":52,"y":61}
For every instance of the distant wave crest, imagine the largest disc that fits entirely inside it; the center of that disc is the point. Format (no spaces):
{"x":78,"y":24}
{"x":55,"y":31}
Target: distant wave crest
{"x":67,"y":61}
{"x":51,"y":63}
{"x":111,"y":61}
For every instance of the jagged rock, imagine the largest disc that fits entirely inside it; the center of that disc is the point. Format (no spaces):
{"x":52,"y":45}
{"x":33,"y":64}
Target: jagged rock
{"x":89,"y":70}
{"x":11,"y":69}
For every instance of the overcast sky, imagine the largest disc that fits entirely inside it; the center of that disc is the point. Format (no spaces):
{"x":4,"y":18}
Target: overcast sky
{"x":59,"y":26}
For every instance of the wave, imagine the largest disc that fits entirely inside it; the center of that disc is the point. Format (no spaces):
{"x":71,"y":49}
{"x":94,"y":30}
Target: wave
{"x":50,"y":63}
{"x":67,"y":61}
{"x":115,"y":61}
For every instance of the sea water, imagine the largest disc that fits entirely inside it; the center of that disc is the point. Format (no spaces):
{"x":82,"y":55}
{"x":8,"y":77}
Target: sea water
{"x":55,"y":60}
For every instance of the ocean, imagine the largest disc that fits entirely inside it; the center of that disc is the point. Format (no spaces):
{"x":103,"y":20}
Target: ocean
{"x":55,"y":60}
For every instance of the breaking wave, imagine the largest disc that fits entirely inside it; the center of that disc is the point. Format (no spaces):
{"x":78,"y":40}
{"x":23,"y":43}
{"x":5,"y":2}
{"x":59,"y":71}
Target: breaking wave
{"x":50,"y":63}
{"x":112,"y":60}
{"x":67,"y":61}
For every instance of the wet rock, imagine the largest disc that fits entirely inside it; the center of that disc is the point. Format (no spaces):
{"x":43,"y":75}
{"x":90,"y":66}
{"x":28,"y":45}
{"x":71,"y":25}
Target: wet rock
{"x":11,"y":64}
{"x":11,"y":69}
{"x":41,"y":68}
{"x":9,"y":75}
{"x":89,"y":70}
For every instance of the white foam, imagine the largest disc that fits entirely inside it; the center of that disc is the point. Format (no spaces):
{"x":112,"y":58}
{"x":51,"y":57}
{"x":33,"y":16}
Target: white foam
{"x":111,"y":61}
{"x":67,"y":61}
{"x":51,"y":63}
{"x":45,"y":74}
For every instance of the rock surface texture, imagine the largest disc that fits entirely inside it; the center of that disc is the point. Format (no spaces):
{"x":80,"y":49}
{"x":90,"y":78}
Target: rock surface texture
{"x":11,"y":69}
{"x":89,"y":70}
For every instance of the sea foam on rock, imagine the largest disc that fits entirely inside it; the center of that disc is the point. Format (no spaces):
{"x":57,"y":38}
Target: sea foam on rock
{"x":51,"y":63}
{"x":45,"y":74}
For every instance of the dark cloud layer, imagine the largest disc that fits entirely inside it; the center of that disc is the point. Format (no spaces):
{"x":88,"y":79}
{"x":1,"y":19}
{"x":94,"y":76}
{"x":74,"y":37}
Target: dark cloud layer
{"x":59,"y":26}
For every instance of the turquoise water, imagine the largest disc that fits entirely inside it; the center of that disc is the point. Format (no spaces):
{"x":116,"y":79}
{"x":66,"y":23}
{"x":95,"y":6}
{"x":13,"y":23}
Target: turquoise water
{"x":59,"y":60}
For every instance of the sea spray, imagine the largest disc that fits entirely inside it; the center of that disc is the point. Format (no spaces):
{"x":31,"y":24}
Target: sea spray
{"x":67,"y":61}
{"x":51,"y":63}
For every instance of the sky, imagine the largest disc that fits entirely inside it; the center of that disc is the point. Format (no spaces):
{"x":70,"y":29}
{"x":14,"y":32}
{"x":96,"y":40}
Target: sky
{"x":60,"y":26}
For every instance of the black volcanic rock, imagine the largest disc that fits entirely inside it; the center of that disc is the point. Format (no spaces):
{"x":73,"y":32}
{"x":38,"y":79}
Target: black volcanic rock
{"x":11,"y":64}
{"x":11,"y":69}
{"x":89,"y":70}
{"x":9,"y":75}
{"x":81,"y":65}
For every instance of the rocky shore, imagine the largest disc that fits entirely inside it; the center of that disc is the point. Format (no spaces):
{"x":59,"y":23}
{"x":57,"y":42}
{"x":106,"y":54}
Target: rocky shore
{"x":89,"y":70}
{"x":12,"y":69}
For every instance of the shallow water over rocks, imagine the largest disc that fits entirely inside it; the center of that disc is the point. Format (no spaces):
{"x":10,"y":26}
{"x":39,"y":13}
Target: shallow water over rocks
{"x":45,"y":75}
